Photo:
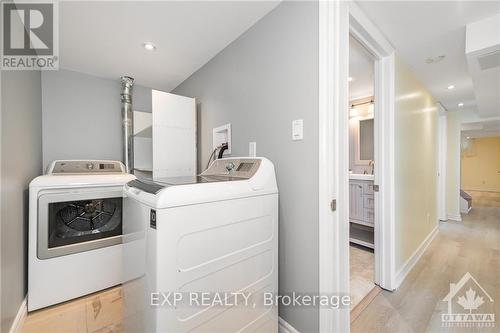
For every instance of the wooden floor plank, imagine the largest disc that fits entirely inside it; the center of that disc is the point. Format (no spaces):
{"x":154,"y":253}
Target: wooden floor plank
{"x":362,"y":263}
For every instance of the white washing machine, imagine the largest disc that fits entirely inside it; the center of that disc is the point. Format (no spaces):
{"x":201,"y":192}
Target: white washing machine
{"x":75,"y":230}
{"x":214,"y":234}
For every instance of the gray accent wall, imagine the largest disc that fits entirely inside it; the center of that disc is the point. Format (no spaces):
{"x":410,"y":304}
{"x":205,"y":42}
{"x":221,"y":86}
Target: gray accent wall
{"x":260,"y":83}
{"x":21,"y":161}
{"x":82,"y":116}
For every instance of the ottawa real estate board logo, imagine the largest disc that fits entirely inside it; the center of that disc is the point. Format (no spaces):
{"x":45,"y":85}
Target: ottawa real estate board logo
{"x":469,"y":305}
{"x":30,"y":35}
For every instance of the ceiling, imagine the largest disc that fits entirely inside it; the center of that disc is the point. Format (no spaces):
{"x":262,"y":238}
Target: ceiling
{"x":361,"y":70}
{"x":481,"y":129}
{"x":105,"y":38}
{"x":422,"y":29}
{"x":483,"y":58}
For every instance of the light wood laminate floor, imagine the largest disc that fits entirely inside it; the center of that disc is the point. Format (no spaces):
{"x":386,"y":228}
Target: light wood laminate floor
{"x":97,"y":313}
{"x":362,"y":262}
{"x":472,"y":245}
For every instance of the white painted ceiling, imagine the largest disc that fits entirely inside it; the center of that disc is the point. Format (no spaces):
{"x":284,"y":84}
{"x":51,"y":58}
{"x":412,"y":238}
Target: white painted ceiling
{"x":361,"y":70}
{"x":483,"y":58}
{"x":105,"y":38}
{"x":481,"y":129}
{"x":422,"y":29}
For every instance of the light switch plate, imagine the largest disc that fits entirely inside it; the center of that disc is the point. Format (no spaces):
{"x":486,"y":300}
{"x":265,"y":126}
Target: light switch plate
{"x":297,"y":129}
{"x":252,"y":149}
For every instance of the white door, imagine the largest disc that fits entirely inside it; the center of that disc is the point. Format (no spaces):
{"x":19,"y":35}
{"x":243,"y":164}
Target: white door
{"x":174,"y":135}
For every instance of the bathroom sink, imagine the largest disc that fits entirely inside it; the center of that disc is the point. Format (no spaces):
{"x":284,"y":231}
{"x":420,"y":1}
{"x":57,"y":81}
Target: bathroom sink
{"x":361,"y":176}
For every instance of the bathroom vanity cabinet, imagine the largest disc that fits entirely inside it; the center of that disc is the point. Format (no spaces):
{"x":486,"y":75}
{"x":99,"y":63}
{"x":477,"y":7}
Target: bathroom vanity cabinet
{"x":361,"y":211}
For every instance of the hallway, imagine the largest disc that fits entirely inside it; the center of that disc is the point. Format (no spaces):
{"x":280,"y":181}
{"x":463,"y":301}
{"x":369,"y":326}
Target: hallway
{"x":472,"y":245}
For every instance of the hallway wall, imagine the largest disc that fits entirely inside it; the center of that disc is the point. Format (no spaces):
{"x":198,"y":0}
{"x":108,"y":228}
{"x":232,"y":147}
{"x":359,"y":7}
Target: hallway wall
{"x":453,"y":166}
{"x":416,"y":139}
{"x":480,"y":165}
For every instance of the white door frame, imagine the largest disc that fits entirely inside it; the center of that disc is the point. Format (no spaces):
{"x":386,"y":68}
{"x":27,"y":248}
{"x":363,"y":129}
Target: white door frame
{"x":442,"y":153}
{"x":333,"y":157}
{"x":363,"y":30}
{"x":336,"y":20}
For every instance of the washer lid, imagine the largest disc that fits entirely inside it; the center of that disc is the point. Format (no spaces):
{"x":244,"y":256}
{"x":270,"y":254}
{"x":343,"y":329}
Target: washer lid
{"x":224,"y":180}
{"x":156,"y":186}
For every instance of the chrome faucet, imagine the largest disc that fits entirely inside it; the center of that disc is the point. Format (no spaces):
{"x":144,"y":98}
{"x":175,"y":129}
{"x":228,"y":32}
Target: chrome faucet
{"x":372,"y":164}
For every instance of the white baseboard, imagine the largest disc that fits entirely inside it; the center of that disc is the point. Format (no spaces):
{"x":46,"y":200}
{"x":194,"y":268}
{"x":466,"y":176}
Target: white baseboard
{"x":17,"y":324}
{"x":454,"y":217}
{"x":415,"y":257}
{"x":285,"y":327}
{"x":468,"y":209}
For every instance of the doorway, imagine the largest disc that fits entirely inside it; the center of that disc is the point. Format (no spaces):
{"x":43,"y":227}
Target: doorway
{"x":337,"y":22}
{"x":361,"y":175}
{"x":479,"y":166}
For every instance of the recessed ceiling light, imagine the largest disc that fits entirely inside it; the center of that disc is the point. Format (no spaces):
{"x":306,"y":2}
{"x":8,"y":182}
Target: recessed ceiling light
{"x":148,"y":46}
{"x":460,"y":105}
{"x":468,"y":138}
{"x":350,"y":78}
{"x":450,"y":87}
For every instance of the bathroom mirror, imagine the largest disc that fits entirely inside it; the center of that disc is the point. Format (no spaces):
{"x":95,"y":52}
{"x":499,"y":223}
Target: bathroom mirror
{"x":362,"y":130}
{"x":366,"y":139}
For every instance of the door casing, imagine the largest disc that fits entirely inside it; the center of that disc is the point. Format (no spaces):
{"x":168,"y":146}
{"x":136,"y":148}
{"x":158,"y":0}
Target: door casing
{"x":338,"y":19}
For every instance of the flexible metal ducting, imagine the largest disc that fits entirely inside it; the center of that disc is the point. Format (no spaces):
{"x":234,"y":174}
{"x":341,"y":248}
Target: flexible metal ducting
{"x":128,"y":122}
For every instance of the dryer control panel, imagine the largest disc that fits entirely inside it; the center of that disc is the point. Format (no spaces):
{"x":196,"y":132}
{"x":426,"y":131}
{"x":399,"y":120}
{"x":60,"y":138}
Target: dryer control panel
{"x":85,"y":167}
{"x":234,"y":167}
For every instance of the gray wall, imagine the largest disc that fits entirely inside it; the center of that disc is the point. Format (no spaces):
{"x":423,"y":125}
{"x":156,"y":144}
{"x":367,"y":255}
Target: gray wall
{"x":21,"y":161}
{"x":82,"y":116}
{"x":260,"y":83}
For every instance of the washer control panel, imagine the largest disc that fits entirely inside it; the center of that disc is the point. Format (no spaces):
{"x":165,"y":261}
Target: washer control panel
{"x":234,"y":167}
{"x":85,"y":167}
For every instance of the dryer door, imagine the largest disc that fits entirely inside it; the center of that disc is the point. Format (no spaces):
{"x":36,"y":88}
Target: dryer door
{"x":78,"y":221}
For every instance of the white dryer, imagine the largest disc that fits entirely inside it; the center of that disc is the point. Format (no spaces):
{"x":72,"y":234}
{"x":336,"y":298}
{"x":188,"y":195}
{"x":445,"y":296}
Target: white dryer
{"x":216,"y":233}
{"x":75,"y":230}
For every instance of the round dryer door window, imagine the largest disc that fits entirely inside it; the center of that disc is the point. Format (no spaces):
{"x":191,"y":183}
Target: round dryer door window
{"x":79,"y":221}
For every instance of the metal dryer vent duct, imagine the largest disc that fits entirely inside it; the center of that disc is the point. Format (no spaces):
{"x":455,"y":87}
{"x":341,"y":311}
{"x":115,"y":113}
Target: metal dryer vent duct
{"x":128,"y":122}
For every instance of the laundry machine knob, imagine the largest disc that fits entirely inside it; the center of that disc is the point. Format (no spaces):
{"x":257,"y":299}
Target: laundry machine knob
{"x":90,"y":166}
{"x":230,"y":166}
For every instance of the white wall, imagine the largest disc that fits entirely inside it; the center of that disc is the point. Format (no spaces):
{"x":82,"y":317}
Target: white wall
{"x":82,"y":116}
{"x":21,"y":161}
{"x":260,"y":83}
{"x":416,"y":143}
{"x":453,"y":166}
